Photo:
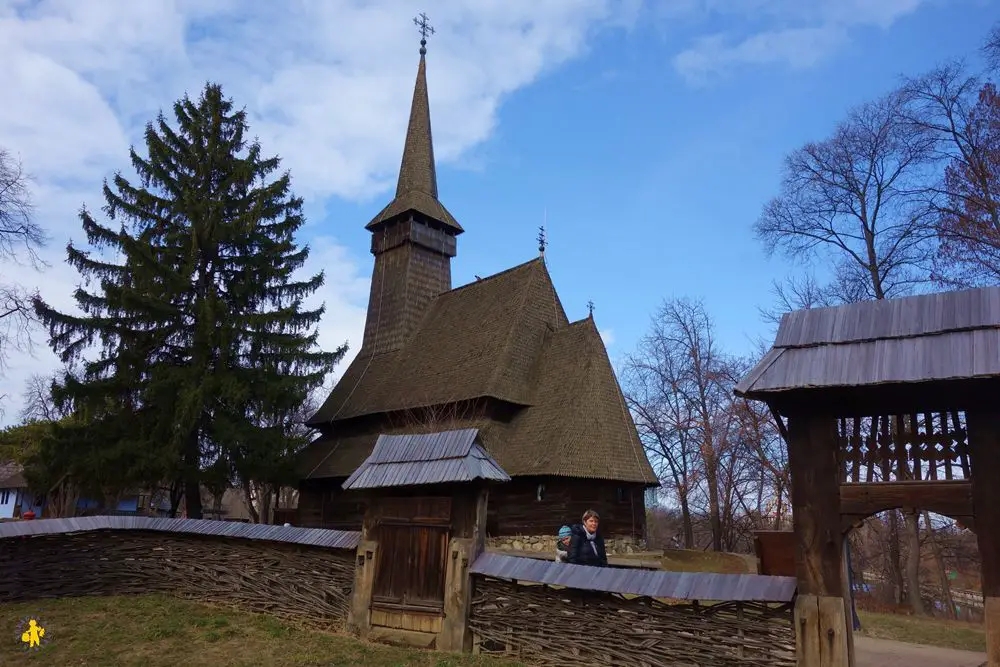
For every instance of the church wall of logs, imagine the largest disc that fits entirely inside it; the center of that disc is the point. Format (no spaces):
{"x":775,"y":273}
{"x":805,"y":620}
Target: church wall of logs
{"x":310,"y":585}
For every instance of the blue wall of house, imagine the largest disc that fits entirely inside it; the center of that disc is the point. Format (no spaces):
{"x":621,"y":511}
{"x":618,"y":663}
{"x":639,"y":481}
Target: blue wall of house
{"x":86,"y":504}
{"x":8,"y":498}
{"x":31,"y":502}
{"x":126,"y":504}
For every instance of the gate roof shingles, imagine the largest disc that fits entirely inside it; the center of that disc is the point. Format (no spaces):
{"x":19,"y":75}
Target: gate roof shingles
{"x":926,"y":338}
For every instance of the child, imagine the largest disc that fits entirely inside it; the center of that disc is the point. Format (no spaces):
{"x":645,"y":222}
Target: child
{"x":562,"y":544}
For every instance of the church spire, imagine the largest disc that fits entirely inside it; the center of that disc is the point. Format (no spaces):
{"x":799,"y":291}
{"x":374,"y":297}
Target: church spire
{"x":417,"y":171}
{"x":414,"y":237}
{"x":416,"y":189}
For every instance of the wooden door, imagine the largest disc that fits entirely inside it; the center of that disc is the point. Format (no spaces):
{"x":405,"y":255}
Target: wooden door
{"x":413,"y":536}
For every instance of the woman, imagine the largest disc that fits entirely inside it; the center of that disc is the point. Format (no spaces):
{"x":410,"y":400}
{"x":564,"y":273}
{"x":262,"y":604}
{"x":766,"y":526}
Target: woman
{"x":586,"y":547}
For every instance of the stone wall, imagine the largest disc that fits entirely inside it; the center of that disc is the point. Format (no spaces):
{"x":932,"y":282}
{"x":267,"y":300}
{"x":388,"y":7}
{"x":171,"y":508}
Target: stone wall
{"x":615,"y":546}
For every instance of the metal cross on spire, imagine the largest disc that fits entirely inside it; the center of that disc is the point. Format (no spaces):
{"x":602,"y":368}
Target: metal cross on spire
{"x":590,"y":307}
{"x":424,"y":26}
{"x":541,"y":240}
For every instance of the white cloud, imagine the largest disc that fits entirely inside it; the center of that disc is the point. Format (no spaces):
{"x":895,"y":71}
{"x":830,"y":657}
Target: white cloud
{"x":779,"y":32}
{"x":327,"y":85}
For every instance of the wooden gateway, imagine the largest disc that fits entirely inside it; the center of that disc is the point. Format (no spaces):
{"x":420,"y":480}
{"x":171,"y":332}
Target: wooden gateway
{"x":426,"y":498}
{"x":885,"y":404}
{"x":498,"y":355}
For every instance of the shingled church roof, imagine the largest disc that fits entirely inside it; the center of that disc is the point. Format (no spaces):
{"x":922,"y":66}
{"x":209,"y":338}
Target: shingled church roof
{"x":478,"y":340}
{"x":505,"y":337}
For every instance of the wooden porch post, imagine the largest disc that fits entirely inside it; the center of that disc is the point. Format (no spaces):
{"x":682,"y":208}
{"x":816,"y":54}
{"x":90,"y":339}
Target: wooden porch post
{"x":359,"y":620}
{"x":984,"y":459}
{"x":455,"y":634}
{"x":822,"y":631}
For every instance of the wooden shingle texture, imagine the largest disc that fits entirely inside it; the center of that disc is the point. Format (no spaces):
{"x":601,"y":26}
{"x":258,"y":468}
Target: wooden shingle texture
{"x":925,"y":338}
{"x":505,"y":337}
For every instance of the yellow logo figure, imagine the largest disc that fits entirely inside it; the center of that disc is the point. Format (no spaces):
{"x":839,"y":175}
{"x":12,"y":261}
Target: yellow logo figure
{"x":32,"y":634}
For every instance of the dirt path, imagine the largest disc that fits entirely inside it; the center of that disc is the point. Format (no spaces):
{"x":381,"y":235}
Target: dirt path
{"x":872,"y":652}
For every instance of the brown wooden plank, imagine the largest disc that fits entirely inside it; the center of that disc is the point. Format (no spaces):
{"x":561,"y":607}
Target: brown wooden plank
{"x":808,"y":647}
{"x":775,"y":550}
{"x":812,"y":446}
{"x":885,"y":448}
{"x":856,"y":442}
{"x":833,"y":632}
{"x":899,"y":448}
{"x":931,"y":453}
{"x":952,"y":498}
{"x":984,"y":458}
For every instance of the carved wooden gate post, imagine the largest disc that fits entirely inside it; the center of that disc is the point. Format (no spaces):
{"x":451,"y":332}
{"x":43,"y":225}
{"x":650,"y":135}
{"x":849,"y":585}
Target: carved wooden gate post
{"x":984,"y":459}
{"x":822,"y":634}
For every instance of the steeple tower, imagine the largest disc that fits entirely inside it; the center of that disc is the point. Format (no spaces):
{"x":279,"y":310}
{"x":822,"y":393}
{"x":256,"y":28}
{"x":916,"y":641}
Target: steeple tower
{"x":413,"y":238}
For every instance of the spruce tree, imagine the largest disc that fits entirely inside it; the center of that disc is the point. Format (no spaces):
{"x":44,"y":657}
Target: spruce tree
{"x":206,"y":350}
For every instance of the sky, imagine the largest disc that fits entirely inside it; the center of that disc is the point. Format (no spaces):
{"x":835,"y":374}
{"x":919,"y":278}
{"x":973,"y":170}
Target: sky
{"x":646,"y":135}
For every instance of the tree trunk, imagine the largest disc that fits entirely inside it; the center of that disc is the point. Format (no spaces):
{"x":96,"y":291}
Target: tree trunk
{"x":946,"y":599}
{"x":913,"y":561}
{"x":895,"y":561}
{"x":266,"y":495}
{"x":176,"y":493}
{"x":778,"y":508}
{"x":687,"y":525}
{"x":248,"y":494}
{"x":714,"y":517}
{"x":192,"y":476}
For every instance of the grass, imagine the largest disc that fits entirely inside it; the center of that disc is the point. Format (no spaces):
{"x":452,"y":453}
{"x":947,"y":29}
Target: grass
{"x":924,"y":630}
{"x":690,"y":560}
{"x":154,"y":631}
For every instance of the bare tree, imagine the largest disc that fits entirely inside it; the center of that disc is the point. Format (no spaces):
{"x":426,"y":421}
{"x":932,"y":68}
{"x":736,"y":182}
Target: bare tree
{"x":20,"y":240}
{"x":38,"y":404}
{"x":991,"y":48}
{"x":679,"y":389}
{"x":854,"y":200}
{"x":952,"y":109}
{"x":652,"y":382}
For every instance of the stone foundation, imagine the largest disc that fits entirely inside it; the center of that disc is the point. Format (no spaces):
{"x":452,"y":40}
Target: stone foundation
{"x":547,"y":544}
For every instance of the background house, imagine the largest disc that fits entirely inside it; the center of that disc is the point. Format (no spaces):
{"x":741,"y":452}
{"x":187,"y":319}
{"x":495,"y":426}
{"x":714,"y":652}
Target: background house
{"x":15,"y":497}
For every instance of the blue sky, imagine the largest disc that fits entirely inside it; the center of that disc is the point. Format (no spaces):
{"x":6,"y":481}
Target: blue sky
{"x":650,"y":181}
{"x":647,"y":134}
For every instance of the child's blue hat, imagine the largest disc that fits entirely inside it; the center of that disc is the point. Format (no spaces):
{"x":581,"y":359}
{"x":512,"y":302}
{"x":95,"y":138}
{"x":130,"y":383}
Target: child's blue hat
{"x":565,"y":531}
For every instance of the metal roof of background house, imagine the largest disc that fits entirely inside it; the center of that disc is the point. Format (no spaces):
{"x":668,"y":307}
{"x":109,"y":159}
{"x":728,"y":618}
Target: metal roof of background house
{"x":431,"y":458}
{"x":925,"y":338}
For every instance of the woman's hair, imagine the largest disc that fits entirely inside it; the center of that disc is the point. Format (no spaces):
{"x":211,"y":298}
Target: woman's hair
{"x":591,"y":513}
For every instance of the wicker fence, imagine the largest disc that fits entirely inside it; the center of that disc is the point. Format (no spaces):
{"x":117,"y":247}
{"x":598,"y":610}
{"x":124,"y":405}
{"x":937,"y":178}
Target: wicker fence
{"x":292,"y":573}
{"x":547,"y":624}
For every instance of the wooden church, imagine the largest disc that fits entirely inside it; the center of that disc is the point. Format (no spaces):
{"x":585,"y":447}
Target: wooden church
{"x":498,"y":355}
